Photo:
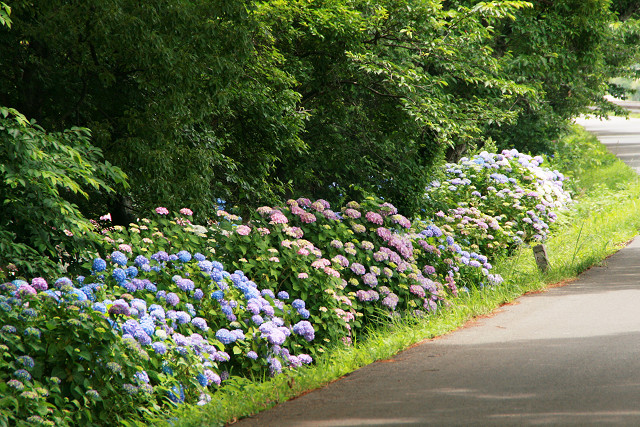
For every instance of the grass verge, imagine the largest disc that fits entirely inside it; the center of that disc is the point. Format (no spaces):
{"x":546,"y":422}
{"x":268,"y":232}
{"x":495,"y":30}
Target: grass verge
{"x":602,"y":221}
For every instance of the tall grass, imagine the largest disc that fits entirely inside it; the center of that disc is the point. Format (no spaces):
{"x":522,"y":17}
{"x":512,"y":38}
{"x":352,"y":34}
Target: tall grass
{"x":605,"y":217}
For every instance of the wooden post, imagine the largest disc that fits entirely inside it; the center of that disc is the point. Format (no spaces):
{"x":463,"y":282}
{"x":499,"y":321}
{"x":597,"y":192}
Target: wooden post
{"x":540,"y":253}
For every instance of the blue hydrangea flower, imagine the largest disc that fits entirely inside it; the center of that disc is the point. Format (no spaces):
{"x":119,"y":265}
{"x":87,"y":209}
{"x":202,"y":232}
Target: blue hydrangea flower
{"x":29,"y":312}
{"x":283,"y":295}
{"x":148,"y":286}
{"x":88,"y":291}
{"x":176,"y":394}
{"x":100,"y":307}
{"x":26,"y":361}
{"x":131,"y":271}
{"x":225,"y":336}
{"x":18,"y":385}
{"x":198,"y":294}
{"x":99,"y":265}
{"x":205,"y":266}
{"x":159,"y":347}
{"x":8,"y":329}
{"x":199,"y":257}
{"x":130,"y":389}
{"x":298,"y":304}
{"x":202,"y":380}
{"x":119,"y":258}
{"x":268,"y":292}
{"x":129,"y":286}
{"x":22,"y":375}
{"x":184,"y":256}
{"x":217,"y":295}
{"x":304,"y":313}
{"x":141,"y":260}
{"x":119,"y":274}
{"x":251,"y":293}
{"x":141,"y":377}
{"x":78,"y":294}
{"x":252,"y":355}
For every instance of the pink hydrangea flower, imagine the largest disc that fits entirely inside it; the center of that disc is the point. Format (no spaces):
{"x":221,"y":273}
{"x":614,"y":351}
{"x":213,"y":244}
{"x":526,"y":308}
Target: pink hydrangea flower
{"x":307,"y":217}
{"x":278,"y":217}
{"x":374,"y":218}
{"x":331,"y":272}
{"x":124,"y":248}
{"x":186,"y":211}
{"x":352,"y":213}
{"x":243,"y":230}
{"x":162,"y":211}
{"x":303,"y":276}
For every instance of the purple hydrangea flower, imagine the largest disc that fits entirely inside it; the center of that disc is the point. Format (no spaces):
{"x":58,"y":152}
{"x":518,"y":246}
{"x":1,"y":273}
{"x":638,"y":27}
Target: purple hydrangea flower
{"x":200,"y":323}
{"x":39,"y":284}
{"x":304,"y":329}
{"x":358,"y":268}
{"x":172,"y":298}
{"x":185,"y":285}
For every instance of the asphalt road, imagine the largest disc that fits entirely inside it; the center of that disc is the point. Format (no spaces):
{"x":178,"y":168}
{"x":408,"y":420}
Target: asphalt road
{"x":569,"y":356}
{"x":620,"y":135}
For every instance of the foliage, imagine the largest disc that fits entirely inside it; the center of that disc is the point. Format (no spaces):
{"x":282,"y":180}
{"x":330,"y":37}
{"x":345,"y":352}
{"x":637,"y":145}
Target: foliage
{"x":255,"y":101}
{"x":389,"y":87}
{"x":566,"y":51}
{"x":60,"y":362}
{"x":39,"y":227}
{"x":185,"y":96}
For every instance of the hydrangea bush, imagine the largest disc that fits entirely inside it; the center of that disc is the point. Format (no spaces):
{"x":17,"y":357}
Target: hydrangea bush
{"x":170,"y":309}
{"x":496,"y":201}
{"x":358,"y":264}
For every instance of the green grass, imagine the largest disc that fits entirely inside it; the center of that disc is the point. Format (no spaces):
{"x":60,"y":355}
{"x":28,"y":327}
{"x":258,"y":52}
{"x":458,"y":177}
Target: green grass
{"x":605,"y":217}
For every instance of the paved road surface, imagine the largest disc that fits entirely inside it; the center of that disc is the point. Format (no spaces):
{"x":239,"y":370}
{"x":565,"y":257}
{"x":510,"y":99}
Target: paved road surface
{"x":620,"y":135}
{"x":569,"y":356}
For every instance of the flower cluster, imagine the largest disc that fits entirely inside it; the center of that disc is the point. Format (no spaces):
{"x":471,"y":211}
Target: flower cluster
{"x":497,"y":201}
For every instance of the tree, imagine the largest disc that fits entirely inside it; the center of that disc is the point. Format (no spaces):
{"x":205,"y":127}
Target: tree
{"x":389,"y":87}
{"x":39,"y":228}
{"x":562,"y":49}
{"x":185,"y":96}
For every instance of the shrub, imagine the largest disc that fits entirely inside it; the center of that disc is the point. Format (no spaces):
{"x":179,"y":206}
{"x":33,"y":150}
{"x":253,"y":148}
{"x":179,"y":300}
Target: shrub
{"x":40,"y":229}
